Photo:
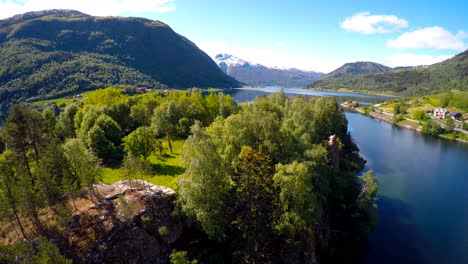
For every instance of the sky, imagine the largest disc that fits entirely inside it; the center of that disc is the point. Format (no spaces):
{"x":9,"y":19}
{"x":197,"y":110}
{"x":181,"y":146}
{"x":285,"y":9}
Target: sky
{"x":304,"y":34}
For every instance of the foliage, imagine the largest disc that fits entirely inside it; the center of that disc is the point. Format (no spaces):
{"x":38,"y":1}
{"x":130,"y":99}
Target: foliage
{"x":397,"y":118}
{"x":276,"y":175}
{"x":83,"y":164}
{"x":57,"y":54}
{"x":449,"y":125}
{"x":40,"y":252}
{"x":140,"y":143}
{"x":397,"y":109}
{"x":450,"y":74}
{"x":355,"y":68}
{"x":205,"y":185}
{"x":420,"y":115}
{"x":432,"y":127}
{"x":180,"y":257}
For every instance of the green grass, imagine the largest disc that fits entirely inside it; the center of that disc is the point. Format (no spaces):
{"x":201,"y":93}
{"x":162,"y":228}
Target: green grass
{"x":60,"y":101}
{"x":165,"y":168}
{"x":455,"y":135}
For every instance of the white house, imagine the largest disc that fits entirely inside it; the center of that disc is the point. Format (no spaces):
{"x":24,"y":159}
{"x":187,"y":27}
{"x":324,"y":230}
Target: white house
{"x":441,"y":112}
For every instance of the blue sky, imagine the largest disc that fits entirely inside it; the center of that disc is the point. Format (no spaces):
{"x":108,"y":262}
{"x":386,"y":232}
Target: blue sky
{"x":315,"y":35}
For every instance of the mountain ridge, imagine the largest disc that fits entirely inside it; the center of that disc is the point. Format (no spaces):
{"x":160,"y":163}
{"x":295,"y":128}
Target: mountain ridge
{"x":57,"y":52}
{"x":355,"y":68}
{"x":449,"y":74}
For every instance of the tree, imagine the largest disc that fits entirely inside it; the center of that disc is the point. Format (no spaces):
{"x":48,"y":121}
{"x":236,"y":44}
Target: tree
{"x":203,"y":188}
{"x":40,"y":251}
{"x":432,"y":127}
{"x":105,"y":97}
{"x":83,"y":164}
{"x":103,"y":138}
{"x":66,"y":122}
{"x":449,"y":125}
{"x":396,"y":109}
{"x":369,"y":189}
{"x":446,"y":99}
{"x":297,"y":200}
{"x":253,"y":203}
{"x":180,"y":257}
{"x":165,"y":120}
{"x":135,"y":168}
{"x":140,"y":143}
{"x":420,"y":115}
{"x":2,"y":140}
{"x":9,"y":199}
{"x":49,"y":115}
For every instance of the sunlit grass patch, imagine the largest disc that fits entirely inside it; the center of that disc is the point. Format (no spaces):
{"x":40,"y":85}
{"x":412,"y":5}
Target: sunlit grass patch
{"x":165,"y":168}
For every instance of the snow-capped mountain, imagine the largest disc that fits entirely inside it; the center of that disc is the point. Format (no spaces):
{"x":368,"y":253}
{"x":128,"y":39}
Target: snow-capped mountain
{"x":257,"y":74}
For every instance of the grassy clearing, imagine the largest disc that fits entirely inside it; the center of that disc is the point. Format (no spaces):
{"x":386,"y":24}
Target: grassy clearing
{"x":165,"y":168}
{"x":63,"y":100}
{"x":455,"y":135}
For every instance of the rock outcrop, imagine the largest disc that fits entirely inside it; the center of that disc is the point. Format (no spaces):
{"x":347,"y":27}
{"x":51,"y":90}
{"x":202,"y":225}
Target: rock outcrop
{"x":129,"y":222}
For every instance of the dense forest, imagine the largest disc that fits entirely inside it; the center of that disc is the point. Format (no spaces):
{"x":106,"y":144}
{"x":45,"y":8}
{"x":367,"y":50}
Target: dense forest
{"x":273,"y":181}
{"x":449,"y":74}
{"x":54,"y":53}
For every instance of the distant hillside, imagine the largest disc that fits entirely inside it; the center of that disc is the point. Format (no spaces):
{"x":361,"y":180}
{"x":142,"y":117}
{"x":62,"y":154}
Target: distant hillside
{"x":51,"y":53}
{"x":355,"y":68}
{"x":256,"y":74}
{"x":449,"y":74}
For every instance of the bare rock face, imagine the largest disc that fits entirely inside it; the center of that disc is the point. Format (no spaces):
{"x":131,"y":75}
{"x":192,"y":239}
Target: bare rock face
{"x":129,"y":222}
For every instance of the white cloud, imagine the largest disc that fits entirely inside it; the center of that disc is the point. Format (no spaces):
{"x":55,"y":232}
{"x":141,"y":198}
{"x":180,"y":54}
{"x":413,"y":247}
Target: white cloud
{"x":430,"y":37}
{"x":280,"y":58}
{"x":10,"y":8}
{"x":280,"y":44}
{"x":406,"y":59}
{"x":369,"y":24}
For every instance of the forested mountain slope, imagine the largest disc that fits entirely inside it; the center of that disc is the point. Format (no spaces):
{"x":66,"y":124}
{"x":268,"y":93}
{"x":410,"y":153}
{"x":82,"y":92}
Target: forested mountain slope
{"x":449,"y":74}
{"x":355,"y":68}
{"x":52,"y":53}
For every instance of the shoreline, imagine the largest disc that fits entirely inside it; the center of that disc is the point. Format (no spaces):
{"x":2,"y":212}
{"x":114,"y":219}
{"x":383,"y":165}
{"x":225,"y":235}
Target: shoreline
{"x":389,"y":120}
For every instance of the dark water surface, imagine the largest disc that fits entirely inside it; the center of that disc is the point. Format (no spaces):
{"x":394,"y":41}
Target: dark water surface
{"x":423,"y":181}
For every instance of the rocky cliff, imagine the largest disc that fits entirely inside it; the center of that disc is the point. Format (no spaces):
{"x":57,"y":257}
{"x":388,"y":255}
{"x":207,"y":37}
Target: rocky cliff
{"x":128,"y":222}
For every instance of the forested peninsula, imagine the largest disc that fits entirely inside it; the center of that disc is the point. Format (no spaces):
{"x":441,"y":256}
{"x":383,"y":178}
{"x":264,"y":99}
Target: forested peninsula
{"x":272,"y":181}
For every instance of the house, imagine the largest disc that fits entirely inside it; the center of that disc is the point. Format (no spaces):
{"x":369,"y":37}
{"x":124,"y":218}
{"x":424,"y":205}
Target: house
{"x":441,"y":112}
{"x":353,"y":104}
{"x":455,"y":115}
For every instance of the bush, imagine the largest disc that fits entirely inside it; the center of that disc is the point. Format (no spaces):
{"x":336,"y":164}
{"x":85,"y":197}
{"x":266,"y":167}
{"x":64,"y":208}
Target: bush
{"x":449,"y":125}
{"x":397,"y":119}
{"x":432,"y":128}
{"x":420,"y":115}
{"x":180,"y":257}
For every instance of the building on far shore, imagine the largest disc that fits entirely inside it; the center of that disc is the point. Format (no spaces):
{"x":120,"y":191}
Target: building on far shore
{"x":455,"y":115}
{"x":441,"y":112}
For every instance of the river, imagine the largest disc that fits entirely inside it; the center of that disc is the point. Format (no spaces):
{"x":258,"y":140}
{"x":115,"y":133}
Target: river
{"x":423,"y":186}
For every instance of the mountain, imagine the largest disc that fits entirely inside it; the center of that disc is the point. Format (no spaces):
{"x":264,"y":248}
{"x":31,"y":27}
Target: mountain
{"x":259,"y":75}
{"x":355,"y":68}
{"x":449,"y":74}
{"x":51,"y":53}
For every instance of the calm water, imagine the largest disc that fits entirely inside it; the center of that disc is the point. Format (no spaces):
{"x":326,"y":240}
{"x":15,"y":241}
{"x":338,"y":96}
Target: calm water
{"x":423,"y":196}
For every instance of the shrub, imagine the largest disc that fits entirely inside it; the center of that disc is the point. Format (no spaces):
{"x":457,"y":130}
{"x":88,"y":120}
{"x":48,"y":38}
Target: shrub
{"x":432,"y":128}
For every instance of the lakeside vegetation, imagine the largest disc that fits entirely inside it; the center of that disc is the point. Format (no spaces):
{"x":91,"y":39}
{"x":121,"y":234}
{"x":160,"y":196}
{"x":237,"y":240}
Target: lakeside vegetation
{"x":417,"y":113}
{"x":235,"y":173}
{"x":421,"y":80}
